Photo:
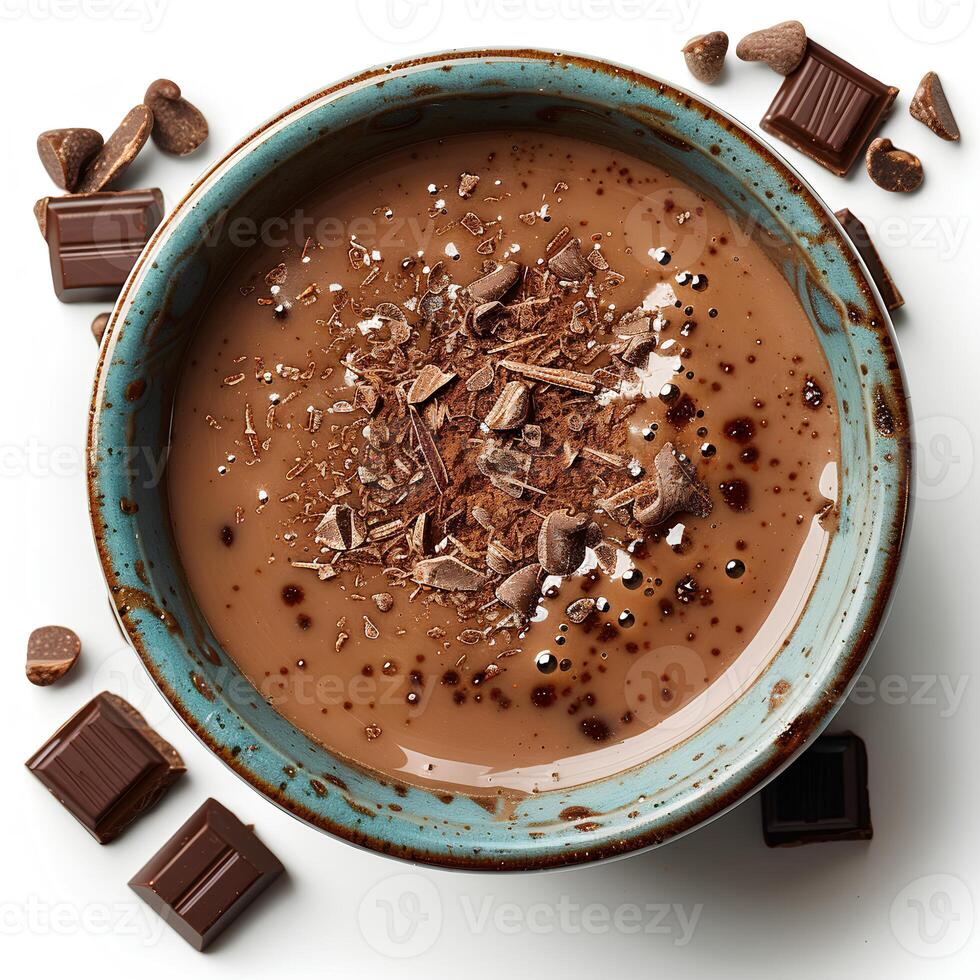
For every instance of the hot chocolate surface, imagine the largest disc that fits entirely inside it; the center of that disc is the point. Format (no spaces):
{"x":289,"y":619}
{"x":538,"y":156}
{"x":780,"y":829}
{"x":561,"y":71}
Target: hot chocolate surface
{"x":503,"y":463}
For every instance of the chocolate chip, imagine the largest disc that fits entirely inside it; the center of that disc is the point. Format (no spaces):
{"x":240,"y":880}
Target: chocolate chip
{"x":447,"y":573}
{"x":930,"y":106}
{"x":65,"y":151}
{"x":511,"y":408}
{"x":51,"y":652}
{"x":494,"y":285}
{"x":678,"y":491}
{"x":521,"y":590}
{"x":781,"y":47}
{"x":893,"y":169}
{"x":562,"y":542}
{"x":705,"y":55}
{"x":341,"y":529}
{"x":118,"y":152}
{"x":99,"y":325}
{"x":568,"y":263}
{"x":178,"y":127}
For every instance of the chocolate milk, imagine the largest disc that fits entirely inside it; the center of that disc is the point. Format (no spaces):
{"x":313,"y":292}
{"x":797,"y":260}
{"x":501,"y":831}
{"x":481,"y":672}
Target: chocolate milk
{"x":504,"y":463}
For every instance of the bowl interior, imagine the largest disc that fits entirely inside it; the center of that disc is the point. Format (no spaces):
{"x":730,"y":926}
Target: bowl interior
{"x":735,"y":749}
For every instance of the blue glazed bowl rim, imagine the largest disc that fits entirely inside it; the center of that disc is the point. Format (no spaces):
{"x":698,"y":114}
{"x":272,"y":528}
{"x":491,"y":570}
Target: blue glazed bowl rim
{"x":708,"y":803}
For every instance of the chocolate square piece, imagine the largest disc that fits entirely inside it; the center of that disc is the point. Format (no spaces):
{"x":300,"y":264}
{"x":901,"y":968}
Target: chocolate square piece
{"x":861,"y":240}
{"x":206,"y":874}
{"x":828,"y":109}
{"x":94,"y":240}
{"x":823,"y":796}
{"x":106,"y":766}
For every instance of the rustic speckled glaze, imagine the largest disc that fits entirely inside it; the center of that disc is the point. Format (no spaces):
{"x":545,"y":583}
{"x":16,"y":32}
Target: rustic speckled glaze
{"x":735,"y":752}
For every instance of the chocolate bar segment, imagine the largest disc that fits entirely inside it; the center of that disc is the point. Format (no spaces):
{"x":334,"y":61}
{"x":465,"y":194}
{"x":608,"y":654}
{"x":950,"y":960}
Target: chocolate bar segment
{"x":823,"y":796}
{"x":828,"y":109}
{"x":106,"y":766}
{"x":861,"y":240}
{"x":94,"y":240}
{"x":201,"y":880}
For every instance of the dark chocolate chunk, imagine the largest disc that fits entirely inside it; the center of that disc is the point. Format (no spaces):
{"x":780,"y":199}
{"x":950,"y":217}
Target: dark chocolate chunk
{"x":521,"y":590}
{"x":65,"y":151}
{"x":178,"y":127}
{"x":447,"y":573}
{"x":823,"y":796}
{"x":494,"y":285}
{"x":861,"y":241}
{"x":51,"y":652}
{"x":930,"y":106}
{"x":106,"y":766}
{"x":562,"y":542}
{"x":118,"y":152}
{"x":828,"y":109}
{"x":568,"y":263}
{"x":678,"y":491}
{"x":207,"y":874}
{"x":781,"y":47}
{"x":705,"y":55}
{"x":94,"y":240}
{"x":893,"y":169}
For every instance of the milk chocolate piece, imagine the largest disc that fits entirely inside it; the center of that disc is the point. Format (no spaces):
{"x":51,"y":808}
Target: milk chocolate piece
{"x":704,"y":55}
{"x":930,"y":106}
{"x":106,"y":766}
{"x":861,"y":241}
{"x":95,"y":239}
{"x":118,"y":152}
{"x":178,"y":126}
{"x":207,"y":874}
{"x":51,"y":652}
{"x":65,"y":151}
{"x":893,"y":169}
{"x":823,"y":796}
{"x":781,"y":47}
{"x":828,"y":109}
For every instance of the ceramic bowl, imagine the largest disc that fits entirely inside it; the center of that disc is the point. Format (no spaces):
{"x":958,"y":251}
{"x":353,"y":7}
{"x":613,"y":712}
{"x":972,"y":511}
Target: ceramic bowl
{"x":768,"y":715}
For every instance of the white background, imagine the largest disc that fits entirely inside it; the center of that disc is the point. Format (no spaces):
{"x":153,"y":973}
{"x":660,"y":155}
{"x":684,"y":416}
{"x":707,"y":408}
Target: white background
{"x":715,"y":903}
